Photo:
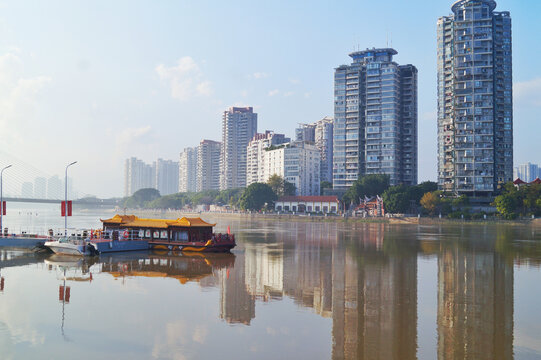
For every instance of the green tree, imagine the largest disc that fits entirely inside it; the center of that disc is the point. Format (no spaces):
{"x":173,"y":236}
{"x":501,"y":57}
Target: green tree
{"x":325,"y":185}
{"x":141,"y":197}
{"x":506,"y":204}
{"x":280,"y":186}
{"x":256,"y":195}
{"x":368,"y":185}
{"x":397,"y":199}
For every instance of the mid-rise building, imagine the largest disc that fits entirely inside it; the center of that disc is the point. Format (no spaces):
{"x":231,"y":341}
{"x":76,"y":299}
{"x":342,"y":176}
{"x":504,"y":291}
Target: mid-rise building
{"x":239,"y":125}
{"x":375,"y":119}
{"x":475,"y":99}
{"x":27,"y":190}
{"x":40,"y":188}
{"x":306,"y":132}
{"x":323,"y":136}
{"x":54,"y":188}
{"x":255,"y":154}
{"x":296,"y":162}
{"x":208,"y":165}
{"x":166,"y":176}
{"x":527,"y":172}
{"x":137,"y":175}
{"x":187,"y":176}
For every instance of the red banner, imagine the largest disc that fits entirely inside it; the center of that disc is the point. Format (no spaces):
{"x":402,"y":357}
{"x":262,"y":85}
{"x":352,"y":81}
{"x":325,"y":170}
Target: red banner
{"x":64,"y":294}
{"x":3,"y":208}
{"x":63,"y":208}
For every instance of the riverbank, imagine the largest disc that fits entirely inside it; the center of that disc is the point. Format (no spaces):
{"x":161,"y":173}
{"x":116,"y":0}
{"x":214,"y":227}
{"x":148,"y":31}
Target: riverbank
{"x":333,"y":218}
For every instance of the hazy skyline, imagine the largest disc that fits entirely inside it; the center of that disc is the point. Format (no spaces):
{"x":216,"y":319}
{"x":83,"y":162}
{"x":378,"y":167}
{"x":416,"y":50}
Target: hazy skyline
{"x":102,"y":81}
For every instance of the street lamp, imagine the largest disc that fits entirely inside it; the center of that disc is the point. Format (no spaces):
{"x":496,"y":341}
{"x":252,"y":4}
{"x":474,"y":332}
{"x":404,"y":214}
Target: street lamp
{"x":66,"y":202}
{"x":1,"y":199}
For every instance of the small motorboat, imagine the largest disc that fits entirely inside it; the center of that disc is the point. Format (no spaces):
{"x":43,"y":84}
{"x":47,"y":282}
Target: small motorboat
{"x":71,"y":245}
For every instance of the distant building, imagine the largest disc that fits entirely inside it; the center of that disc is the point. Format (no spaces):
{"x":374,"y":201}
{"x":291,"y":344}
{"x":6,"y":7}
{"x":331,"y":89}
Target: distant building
{"x":166,"y":176}
{"x":475,"y":99}
{"x":239,"y":125}
{"x":187,"y":176}
{"x":375,"y":119}
{"x":306,"y":132}
{"x":27,"y":190}
{"x":527,"y":172}
{"x":255,"y":154}
{"x":137,"y":175}
{"x":40,"y":188}
{"x":321,"y":134}
{"x":208,"y":165}
{"x":324,"y":142}
{"x":54,"y":188}
{"x":298,"y":163}
{"x":308,"y":204}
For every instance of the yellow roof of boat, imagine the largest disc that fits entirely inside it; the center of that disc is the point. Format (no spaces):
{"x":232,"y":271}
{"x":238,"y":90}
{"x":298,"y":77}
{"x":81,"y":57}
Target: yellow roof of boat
{"x":134,"y":221}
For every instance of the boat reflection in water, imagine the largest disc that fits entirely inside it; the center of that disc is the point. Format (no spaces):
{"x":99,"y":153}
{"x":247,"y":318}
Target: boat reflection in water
{"x":69,"y":268}
{"x":184,"y":267}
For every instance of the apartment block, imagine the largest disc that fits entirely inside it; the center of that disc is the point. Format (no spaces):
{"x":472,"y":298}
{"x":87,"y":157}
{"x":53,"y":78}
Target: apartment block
{"x":166,"y":176}
{"x":255,"y":154}
{"x":239,"y":125}
{"x":298,"y":163}
{"x":187,"y":176}
{"x":208,"y":165}
{"x":375,"y":119}
{"x":475,"y":99}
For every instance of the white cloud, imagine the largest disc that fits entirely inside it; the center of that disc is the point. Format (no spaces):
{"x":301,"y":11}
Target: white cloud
{"x":289,"y":93}
{"x":129,"y":135}
{"x":307,"y":95}
{"x":18,"y":98}
{"x":294,"y":81}
{"x":274,"y":92}
{"x":528,"y":92}
{"x":260,"y":75}
{"x":185,"y":79}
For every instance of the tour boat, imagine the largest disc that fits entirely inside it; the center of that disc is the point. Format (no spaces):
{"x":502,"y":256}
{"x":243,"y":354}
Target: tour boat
{"x":130,"y":233}
{"x":182,"y":234}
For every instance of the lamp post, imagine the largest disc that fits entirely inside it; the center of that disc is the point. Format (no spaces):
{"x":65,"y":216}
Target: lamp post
{"x":66,"y":202}
{"x":2,"y":200}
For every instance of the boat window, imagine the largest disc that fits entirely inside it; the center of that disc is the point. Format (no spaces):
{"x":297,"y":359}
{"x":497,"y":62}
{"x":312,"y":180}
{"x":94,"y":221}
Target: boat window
{"x":147,"y":233}
{"x":164,"y":234}
{"x":181,"y":236}
{"x":156,"y":234}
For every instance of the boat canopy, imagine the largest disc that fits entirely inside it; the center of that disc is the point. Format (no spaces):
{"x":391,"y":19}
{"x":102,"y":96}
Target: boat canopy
{"x":133,"y":221}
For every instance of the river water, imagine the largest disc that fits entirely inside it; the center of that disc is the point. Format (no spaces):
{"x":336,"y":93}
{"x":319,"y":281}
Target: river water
{"x":289,"y":290}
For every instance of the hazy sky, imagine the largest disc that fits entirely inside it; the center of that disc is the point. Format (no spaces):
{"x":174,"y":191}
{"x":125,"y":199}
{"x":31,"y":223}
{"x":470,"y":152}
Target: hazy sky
{"x":99,"y":81}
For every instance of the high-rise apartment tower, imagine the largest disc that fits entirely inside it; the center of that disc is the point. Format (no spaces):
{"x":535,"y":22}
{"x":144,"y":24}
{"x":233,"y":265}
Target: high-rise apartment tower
{"x":239,"y":125}
{"x":475,"y":99}
{"x":187,"y":176}
{"x":375,"y":119}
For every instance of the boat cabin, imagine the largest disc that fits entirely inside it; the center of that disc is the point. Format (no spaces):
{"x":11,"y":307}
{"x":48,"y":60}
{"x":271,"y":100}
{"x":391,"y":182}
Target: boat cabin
{"x":130,"y":227}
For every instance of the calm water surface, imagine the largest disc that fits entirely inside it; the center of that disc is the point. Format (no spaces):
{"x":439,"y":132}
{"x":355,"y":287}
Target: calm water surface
{"x":288,"y":291}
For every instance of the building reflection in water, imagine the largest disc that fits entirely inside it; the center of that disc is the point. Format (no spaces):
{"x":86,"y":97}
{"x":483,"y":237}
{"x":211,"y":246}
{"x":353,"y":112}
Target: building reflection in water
{"x":475,"y":304}
{"x":364,"y":278}
{"x":370,"y":292}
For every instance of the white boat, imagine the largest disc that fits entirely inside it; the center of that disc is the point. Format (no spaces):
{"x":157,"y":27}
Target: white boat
{"x":70,"y":245}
